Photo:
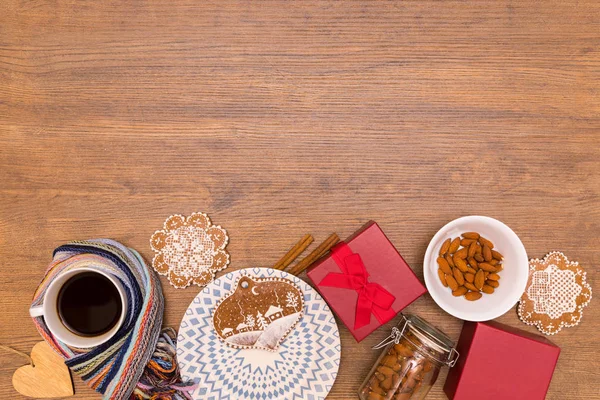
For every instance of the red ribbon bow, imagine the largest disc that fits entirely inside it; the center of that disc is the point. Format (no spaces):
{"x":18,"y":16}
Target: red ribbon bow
{"x":372,"y":297}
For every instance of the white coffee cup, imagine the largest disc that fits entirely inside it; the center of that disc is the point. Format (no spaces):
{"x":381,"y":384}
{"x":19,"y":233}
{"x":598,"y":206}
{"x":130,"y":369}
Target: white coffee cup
{"x":49,"y":310}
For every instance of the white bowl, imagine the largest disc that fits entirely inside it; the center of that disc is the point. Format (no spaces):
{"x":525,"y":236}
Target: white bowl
{"x":513,"y":278}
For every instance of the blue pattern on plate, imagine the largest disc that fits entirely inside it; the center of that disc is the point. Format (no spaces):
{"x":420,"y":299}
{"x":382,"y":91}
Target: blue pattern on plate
{"x":304,"y":367}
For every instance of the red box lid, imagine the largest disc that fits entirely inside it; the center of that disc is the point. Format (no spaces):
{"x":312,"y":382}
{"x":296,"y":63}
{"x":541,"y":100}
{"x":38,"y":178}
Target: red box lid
{"x":499,"y":362}
{"x":385,"y":267}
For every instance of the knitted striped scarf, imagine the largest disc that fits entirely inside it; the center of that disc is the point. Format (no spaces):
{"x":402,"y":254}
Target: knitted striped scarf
{"x":115,"y":367}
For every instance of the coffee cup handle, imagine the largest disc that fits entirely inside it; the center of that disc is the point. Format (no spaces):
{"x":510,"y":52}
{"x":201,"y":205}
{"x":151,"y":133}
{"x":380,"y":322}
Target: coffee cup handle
{"x":36,"y":311}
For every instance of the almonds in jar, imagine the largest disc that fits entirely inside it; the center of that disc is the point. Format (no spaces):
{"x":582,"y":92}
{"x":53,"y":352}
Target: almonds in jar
{"x":408,"y":367}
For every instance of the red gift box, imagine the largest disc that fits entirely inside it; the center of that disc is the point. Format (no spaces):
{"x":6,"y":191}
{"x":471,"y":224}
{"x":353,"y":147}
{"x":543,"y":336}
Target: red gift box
{"x":498,"y":362}
{"x":365,"y":281}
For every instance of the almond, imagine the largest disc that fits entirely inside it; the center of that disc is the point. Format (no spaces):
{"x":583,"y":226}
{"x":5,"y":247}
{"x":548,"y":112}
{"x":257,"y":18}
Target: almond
{"x":470,"y":286}
{"x":454,"y":245}
{"x":471,"y":235}
{"x":478,"y":257}
{"x":487,"y":267}
{"x":469,"y":277}
{"x":471,"y":270}
{"x":451,"y":282}
{"x":494,"y":277}
{"x":460,"y":291}
{"x":427,"y":367}
{"x":472,"y":249}
{"x":485,"y":242}
{"x":493,"y":284}
{"x":487,"y":253}
{"x":389,"y":361}
{"x":444,"y":265}
{"x":461,"y":265}
{"x":445,"y":247}
{"x":454,"y":258}
{"x":479,"y":279}
{"x":403,"y":350}
{"x":460,"y":279}
{"x":472,"y":296}
{"x":473,"y":263}
{"x":462,"y":253}
{"x":449,"y":259}
{"x":442,"y":277}
{"x":466,"y":242}
{"x":499,"y":267}
{"x":493,"y":261}
{"x":497,"y":255}
{"x":487,"y":289}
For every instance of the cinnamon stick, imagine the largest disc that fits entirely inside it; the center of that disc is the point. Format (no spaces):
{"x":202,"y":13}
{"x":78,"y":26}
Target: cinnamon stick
{"x":317,"y":253}
{"x":294,"y":252}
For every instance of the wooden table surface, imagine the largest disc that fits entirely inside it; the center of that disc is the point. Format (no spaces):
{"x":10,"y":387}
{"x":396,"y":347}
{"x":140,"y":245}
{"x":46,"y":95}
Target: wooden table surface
{"x":283,"y":118}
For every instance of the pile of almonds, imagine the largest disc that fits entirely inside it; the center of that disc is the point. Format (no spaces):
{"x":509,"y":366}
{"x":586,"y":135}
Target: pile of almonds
{"x":399,"y":373}
{"x":469,"y":265}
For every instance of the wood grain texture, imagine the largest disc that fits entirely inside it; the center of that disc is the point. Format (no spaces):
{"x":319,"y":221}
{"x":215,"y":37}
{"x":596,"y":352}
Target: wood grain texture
{"x":281,"y":118}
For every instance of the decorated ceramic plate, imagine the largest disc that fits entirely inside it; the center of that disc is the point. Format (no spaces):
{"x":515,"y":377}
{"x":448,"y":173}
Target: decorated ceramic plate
{"x":259,"y":333}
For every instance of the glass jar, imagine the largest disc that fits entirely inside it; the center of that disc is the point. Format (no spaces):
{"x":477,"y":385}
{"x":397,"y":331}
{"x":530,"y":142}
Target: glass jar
{"x":409,"y":366}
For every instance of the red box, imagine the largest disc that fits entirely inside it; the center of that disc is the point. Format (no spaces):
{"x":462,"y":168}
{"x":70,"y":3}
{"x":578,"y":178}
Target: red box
{"x":498,"y":362}
{"x":384,"y":266}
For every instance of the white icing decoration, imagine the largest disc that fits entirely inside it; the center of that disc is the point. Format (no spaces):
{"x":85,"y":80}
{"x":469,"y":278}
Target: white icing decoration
{"x":555,"y":292}
{"x":273,"y":326}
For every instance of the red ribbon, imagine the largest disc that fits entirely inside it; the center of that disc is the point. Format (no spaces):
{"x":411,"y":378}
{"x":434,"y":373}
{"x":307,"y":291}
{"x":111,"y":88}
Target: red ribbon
{"x":372,"y":297}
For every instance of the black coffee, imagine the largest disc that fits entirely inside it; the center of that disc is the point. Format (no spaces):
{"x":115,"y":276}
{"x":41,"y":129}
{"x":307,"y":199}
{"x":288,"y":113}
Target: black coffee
{"x":89,"y":304}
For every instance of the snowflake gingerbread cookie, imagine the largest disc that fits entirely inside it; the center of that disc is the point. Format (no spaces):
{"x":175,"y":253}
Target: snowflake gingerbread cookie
{"x":259,"y":313}
{"x":189,"y":250}
{"x":556,"y":294}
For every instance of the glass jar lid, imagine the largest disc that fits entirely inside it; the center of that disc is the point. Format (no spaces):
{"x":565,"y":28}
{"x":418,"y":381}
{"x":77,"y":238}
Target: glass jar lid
{"x":427,"y":335}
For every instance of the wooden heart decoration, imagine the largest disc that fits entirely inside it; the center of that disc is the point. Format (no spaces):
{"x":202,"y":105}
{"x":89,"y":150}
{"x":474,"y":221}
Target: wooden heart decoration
{"x":259,"y":313}
{"x":49,"y":377}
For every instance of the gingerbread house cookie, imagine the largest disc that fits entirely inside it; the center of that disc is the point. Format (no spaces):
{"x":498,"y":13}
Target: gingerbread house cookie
{"x":259,"y":313}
